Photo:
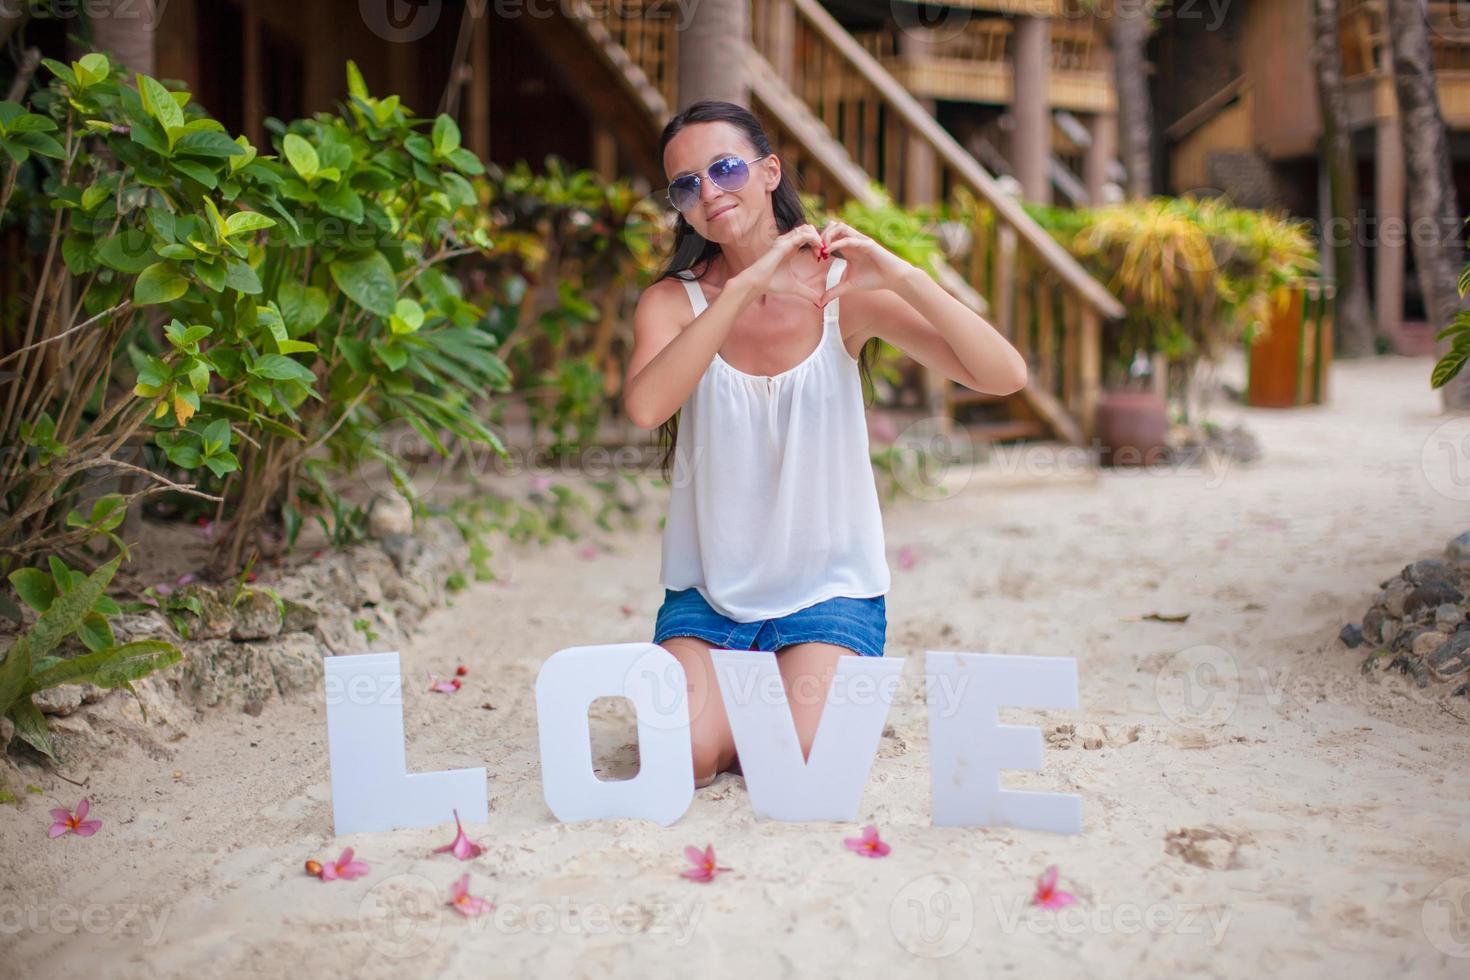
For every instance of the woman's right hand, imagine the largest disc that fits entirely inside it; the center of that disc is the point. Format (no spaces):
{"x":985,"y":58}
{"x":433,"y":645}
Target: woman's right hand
{"x":774,"y":271}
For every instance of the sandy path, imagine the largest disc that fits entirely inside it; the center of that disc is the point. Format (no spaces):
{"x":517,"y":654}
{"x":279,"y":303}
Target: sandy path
{"x":1312,"y":810}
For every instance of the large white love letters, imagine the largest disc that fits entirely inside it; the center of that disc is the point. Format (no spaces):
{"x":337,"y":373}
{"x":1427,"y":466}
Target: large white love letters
{"x":372,"y":790}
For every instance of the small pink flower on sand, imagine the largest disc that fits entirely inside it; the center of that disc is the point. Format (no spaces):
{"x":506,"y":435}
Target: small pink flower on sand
{"x":443,"y":687}
{"x":463,"y":902}
{"x":65,"y":822}
{"x":1047,"y":895}
{"x":344,"y":867}
{"x":868,"y":845}
{"x":462,"y":847}
{"x":705,"y":867}
{"x":907,"y":557}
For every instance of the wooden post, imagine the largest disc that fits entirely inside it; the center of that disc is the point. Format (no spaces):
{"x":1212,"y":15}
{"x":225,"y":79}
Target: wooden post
{"x":780,"y":37}
{"x":604,"y":151}
{"x":254,"y":108}
{"x":478,"y":105}
{"x":1030,"y":107}
{"x":1392,"y":233}
{"x":1089,"y":369}
{"x":711,"y":60}
{"x":1104,"y":129}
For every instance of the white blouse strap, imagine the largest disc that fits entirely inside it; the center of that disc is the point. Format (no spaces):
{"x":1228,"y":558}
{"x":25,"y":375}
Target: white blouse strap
{"x":696,"y":295}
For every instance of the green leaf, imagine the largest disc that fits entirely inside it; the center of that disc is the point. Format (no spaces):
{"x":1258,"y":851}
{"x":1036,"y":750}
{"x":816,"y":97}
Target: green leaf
{"x":466,"y":162}
{"x":30,"y":725}
{"x":303,"y":307}
{"x":216,"y":436}
{"x":243,"y":222}
{"x":355,"y":85}
{"x":95,"y":632}
{"x":446,"y":136}
{"x":301,"y":155}
{"x":407,"y":317}
{"x":342,"y":202}
{"x":159,"y":104}
{"x":208,"y":144}
{"x":241,"y":277}
{"x":1449,"y":366}
{"x":197,"y":170}
{"x":159,"y":283}
{"x":130,"y":252}
{"x":91,"y":69}
{"x":278,"y":367}
{"x":368,"y":281}
{"x":60,"y":620}
{"x":108,"y":667}
{"x":35,"y":588}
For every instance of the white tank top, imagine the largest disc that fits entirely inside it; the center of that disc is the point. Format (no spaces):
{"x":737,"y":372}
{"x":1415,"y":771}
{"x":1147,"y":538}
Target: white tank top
{"x":773,"y":506}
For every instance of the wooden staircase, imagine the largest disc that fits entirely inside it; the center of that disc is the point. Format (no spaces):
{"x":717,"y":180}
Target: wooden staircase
{"x":837,"y":115}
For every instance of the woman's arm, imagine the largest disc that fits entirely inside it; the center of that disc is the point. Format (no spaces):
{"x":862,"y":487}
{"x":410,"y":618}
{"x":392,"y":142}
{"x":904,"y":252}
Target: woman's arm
{"x":671,"y":353}
{"x":901,"y":303}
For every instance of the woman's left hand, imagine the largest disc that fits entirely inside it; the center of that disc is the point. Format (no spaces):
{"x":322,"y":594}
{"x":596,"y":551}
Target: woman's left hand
{"x":869,"y":264}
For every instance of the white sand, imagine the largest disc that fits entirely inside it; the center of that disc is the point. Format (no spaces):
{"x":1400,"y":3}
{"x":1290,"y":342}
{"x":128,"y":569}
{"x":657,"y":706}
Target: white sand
{"x":1312,"y":810}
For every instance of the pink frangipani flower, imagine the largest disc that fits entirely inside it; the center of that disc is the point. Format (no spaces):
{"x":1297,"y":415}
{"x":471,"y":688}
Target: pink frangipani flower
{"x":463,"y":902}
{"x":462,"y":847}
{"x":442,"y":687}
{"x":1047,"y":895}
{"x":344,"y":867}
{"x":65,"y":822}
{"x":705,"y":867}
{"x":868,"y":845}
{"x":907,"y":557}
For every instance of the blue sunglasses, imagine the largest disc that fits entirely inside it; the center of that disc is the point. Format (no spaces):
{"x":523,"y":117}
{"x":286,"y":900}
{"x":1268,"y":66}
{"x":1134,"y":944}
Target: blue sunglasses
{"x":727,"y":173}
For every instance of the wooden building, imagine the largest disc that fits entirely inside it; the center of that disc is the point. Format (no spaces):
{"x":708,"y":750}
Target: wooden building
{"x":1238,"y":114}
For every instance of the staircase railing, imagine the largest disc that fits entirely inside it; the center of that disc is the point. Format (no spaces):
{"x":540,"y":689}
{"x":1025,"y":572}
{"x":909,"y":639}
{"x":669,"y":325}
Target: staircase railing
{"x":1040,"y":297}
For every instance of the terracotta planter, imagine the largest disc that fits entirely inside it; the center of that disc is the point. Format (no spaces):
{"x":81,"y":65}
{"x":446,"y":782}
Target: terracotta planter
{"x":1132,"y":428}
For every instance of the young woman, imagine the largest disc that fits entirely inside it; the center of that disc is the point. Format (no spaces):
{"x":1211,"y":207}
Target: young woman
{"x":774,"y":539}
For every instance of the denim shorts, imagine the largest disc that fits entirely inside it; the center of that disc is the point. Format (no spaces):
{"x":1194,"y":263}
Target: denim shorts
{"x":861,"y":625}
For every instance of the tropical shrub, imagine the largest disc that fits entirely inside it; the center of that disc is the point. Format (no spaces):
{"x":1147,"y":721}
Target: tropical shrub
{"x":211,"y":320}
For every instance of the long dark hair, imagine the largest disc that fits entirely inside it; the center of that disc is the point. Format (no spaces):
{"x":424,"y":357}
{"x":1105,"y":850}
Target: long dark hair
{"x":693,"y":252}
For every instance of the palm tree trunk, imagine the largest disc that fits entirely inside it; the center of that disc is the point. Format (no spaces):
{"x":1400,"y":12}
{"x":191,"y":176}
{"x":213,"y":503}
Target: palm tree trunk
{"x":1132,"y":24}
{"x":1353,"y":319}
{"x":1431,"y":187}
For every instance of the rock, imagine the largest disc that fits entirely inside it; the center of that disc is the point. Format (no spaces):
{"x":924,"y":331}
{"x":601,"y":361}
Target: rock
{"x":1448,"y":617}
{"x":1351,"y":635}
{"x":296,"y":662}
{"x":254,"y":708}
{"x":1431,"y":594}
{"x":1452,"y":658}
{"x":221,"y":672}
{"x":1403,"y":641}
{"x":1428,"y":571}
{"x":390,"y":515}
{"x":7,"y":732}
{"x":299,"y":618}
{"x":150,"y":625}
{"x":1427,"y":642}
{"x":1394,"y":595}
{"x":214,"y":621}
{"x":257,"y":617}
{"x":1459,"y":548}
{"x":335,"y":631}
{"x":403,"y":550}
{"x":61,"y":700}
{"x":1373,"y":625}
{"x":1389,"y":631}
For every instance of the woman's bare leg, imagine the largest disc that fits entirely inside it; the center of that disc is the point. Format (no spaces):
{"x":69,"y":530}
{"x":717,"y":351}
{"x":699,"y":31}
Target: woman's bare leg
{"x":709,"y":728}
{"x":806,"y":672}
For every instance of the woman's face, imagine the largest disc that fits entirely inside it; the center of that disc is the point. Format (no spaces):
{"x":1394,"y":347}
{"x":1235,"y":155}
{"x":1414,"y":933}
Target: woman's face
{"x":721,"y":215}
